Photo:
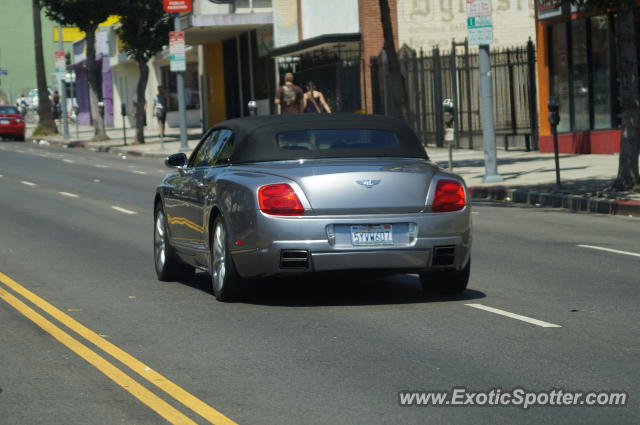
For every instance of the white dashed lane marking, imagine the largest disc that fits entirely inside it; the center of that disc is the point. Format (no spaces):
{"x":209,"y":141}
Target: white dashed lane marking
{"x":28,"y":183}
{"x":123,"y":210}
{"x":514,"y":316}
{"x":139,"y":172}
{"x":101,"y":166}
{"x":70,"y":195}
{"x":68,"y":161}
{"x":615,"y":251}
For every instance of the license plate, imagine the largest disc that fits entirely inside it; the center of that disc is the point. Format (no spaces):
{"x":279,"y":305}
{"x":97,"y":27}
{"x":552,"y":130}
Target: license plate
{"x":4,"y":121}
{"x":372,"y":234}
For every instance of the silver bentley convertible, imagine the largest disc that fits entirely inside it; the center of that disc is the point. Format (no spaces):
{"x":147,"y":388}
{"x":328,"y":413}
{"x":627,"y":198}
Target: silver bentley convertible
{"x":275,"y":195}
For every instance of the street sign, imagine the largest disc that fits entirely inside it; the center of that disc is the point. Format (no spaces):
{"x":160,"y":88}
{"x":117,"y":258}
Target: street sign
{"x":61,"y":61}
{"x":479,"y":23}
{"x":176,"y":6}
{"x":4,"y":72}
{"x":479,"y":30}
{"x":478,"y":8}
{"x":177,"y":59}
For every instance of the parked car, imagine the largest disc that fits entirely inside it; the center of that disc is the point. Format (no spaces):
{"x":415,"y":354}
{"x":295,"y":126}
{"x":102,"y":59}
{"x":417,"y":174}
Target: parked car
{"x":274,"y":195}
{"x":11,"y":123}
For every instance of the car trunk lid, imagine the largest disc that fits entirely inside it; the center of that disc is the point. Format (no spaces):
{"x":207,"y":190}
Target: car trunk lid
{"x":358,"y":186}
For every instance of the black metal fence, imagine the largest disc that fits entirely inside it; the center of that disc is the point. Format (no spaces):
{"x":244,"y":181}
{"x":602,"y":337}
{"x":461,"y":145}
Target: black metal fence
{"x":335,"y":73}
{"x":454,"y":74}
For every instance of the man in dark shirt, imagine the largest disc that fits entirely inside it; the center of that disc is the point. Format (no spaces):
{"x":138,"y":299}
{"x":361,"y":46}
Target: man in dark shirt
{"x":289,"y":96}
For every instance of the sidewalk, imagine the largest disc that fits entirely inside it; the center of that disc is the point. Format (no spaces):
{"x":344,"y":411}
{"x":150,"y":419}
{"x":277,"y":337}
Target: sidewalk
{"x":80,"y":137}
{"x":528,"y":177}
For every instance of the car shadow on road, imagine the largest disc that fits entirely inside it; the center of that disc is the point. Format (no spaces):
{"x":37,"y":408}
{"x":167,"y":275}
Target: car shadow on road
{"x":332,"y":289}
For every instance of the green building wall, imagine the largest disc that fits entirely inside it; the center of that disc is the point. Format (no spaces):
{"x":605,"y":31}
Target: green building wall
{"x":17,"y":49}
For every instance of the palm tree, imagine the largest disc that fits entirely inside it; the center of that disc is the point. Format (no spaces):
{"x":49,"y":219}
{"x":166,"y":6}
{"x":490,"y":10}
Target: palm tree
{"x":46,"y":125}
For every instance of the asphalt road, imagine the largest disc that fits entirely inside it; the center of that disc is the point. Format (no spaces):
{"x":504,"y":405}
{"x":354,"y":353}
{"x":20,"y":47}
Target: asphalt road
{"x":121,"y":347}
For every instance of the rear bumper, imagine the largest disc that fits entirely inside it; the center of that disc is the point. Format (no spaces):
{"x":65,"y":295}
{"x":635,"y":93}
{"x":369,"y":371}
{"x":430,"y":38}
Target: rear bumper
{"x":308,"y":234}
{"x":12,"y":130}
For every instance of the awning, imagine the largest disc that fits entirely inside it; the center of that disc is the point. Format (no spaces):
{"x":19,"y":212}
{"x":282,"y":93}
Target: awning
{"x":204,"y":29}
{"x":332,"y":42}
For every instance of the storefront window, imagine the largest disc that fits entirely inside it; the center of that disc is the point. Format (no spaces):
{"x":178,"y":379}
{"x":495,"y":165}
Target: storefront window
{"x":600,"y":71}
{"x":560,"y":73}
{"x":580,"y":74}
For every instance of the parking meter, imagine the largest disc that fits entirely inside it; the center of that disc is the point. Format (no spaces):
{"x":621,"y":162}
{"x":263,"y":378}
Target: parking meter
{"x":554,"y":111}
{"x":123,"y":112}
{"x":448,"y":108}
{"x":449,"y":116}
{"x":554,"y":119}
{"x":253,"y":107}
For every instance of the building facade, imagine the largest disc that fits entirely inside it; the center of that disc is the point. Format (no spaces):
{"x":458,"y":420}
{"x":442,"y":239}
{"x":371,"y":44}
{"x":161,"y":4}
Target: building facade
{"x":577,"y":64}
{"x":231,"y":42}
{"x":330,"y":43}
{"x":425,"y":24}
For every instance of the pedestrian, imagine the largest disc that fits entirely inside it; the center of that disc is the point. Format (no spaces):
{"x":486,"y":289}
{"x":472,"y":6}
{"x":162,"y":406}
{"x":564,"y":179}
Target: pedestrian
{"x":289,"y":96}
{"x":313,"y":100}
{"x":22,"y":104}
{"x":160,"y":109}
{"x":56,"y":105}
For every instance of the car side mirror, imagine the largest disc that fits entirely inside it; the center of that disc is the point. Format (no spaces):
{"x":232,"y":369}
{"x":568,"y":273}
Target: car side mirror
{"x":177,"y":160}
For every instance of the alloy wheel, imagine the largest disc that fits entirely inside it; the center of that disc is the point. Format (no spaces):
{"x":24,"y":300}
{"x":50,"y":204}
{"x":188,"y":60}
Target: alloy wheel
{"x":159,"y":241}
{"x":218,"y":254}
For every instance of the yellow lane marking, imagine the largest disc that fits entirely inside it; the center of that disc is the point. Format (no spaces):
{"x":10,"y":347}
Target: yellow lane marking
{"x":181,"y":395}
{"x":151,"y":400}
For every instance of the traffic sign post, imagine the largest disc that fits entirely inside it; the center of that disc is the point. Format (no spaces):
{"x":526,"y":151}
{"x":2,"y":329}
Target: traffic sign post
{"x":180,"y":67}
{"x":480,"y":33}
{"x":61,"y":71}
{"x":178,"y":62}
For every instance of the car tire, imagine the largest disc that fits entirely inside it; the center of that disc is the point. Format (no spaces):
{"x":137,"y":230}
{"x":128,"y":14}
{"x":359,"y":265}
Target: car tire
{"x":169,"y":267}
{"x":225,"y":282}
{"x":20,"y":138}
{"x":449,"y":282}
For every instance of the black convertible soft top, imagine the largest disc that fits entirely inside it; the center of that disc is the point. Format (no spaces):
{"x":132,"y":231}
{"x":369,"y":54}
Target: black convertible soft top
{"x":256,"y":137}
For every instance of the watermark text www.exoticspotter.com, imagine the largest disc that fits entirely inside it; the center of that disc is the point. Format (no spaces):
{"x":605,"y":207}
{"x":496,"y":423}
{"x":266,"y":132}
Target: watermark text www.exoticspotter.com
{"x":518,"y":397}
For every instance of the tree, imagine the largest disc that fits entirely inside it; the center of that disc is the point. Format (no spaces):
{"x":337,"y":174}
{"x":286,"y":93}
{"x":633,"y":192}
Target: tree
{"x":628,"y":93}
{"x":46,"y":124}
{"x":86,"y":15}
{"x":400,"y":98}
{"x":144,"y":31}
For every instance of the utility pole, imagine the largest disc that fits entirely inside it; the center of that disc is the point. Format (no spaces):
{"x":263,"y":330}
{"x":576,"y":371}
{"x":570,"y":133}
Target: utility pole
{"x":182,"y":108}
{"x":480,"y":33}
{"x":63,"y":90}
{"x":486,"y":107}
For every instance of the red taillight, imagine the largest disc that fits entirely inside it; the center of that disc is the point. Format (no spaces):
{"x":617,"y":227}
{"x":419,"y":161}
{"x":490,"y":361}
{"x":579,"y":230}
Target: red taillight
{"x":449,"y":197}
{"x":279,"y":199}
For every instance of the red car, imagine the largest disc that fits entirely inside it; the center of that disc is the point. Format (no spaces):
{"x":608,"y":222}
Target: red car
{"x":11,"y":123}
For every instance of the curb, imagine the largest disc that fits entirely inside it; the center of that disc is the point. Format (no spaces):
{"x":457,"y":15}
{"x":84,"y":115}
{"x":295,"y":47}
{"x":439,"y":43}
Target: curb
{"x":118,"y":149}
{"x":555,"y":200}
